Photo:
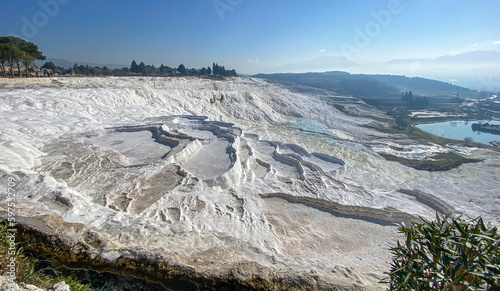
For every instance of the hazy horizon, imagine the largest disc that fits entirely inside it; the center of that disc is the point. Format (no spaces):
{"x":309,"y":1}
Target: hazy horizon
{"x":262,"y":37}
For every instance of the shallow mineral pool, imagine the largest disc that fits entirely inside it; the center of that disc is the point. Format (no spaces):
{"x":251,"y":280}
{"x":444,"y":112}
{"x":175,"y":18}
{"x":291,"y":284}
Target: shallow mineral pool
{"x":459,"y":130}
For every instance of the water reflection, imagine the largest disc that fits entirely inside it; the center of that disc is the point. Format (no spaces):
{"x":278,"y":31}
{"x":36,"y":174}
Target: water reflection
{"x":460,"y":130}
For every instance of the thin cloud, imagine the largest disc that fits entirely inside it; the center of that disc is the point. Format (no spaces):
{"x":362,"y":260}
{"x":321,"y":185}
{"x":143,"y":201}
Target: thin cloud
{"x":253,"y":61}
{"x":482,"y":46}
{"x":469,"y":48}
{"x":322,"y":51}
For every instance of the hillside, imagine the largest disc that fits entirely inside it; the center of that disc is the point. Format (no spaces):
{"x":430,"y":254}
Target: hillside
{"x":419,"y":84}
{"x":368,"y":86}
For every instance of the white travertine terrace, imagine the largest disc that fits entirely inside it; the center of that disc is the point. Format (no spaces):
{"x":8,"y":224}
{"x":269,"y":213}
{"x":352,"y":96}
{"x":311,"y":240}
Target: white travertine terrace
{"x":264,"y":174}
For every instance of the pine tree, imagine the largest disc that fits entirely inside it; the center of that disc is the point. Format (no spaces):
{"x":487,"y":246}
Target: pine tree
{"x":134,"y":67}
{"x":182,"y":70}
{"x":215,"y":69}
{"x":17,"y":59}
{"x":6,"y":52}
{"x":142,"y":68}
{"x":13,"y":50}
{"x":163,"y":69}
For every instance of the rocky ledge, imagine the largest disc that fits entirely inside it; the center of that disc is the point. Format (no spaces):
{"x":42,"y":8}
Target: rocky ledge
{"x":78,"y":247}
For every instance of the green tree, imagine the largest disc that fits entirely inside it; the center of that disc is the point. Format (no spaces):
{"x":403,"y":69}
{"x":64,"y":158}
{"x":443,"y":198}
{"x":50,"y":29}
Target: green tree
{"x":209,"y":71}
{"x":20,"y":46}
{"x":401,"y":122}
{"x":16,"y":59}
{"x":193,"y":72}
{"x":447,"y":254}
{"x":6,"y":52}
{"x":142,"y":68}
{"x":169,"y":70}
{"x":95,"y":71}
{"x":83,"y":70}
{"x":12,"y":54}
{"x":134,"y":67}
{"x":88,"y":70}
{"x":468,"y":139}
{"x":28,"y":62}
{"x":182,"y":70}
{"x":49,"y":65}
{"x":408,"y":96}
{"x":165,"y":70}
{"x":3,"y":58}
{"x":162,"y":70}
{"x":106,"y":71}
{"x":215,"y":69}
{"x":125,"y":71}
{"x":26,"y":46}
{"x":150,"y":70}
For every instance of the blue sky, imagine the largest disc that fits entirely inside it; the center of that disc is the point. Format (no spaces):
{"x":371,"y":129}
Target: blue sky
{"x":250,"y":35}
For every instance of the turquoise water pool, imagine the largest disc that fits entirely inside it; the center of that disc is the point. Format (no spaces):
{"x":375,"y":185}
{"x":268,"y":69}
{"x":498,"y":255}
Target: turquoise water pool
{"x":460,"y":130}
{"x":311,"y":125}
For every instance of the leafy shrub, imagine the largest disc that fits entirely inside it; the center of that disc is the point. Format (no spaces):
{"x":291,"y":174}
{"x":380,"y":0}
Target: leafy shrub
{"x":447,"y":254}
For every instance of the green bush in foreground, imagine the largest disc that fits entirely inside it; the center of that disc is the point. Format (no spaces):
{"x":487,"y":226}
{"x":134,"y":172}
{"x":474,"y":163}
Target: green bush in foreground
{"x":447,"y":254}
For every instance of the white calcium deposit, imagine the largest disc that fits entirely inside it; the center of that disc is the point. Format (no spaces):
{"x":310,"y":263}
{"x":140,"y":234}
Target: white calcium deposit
{"x":220,"y":172}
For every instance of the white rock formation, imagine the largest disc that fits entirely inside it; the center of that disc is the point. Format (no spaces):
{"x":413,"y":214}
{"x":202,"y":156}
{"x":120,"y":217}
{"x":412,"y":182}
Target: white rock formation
{"x":263,"y":175}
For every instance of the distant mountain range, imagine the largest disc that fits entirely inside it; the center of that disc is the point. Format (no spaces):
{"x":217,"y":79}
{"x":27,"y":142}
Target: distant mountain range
{"x":69,"y":64}
{"x":316,"y":64}
{"x":369,"y":86}
{"x":476,"y":57}
{"x":331,"y":63}
{"x":404,"y":83}
{"x":476,"y":70}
